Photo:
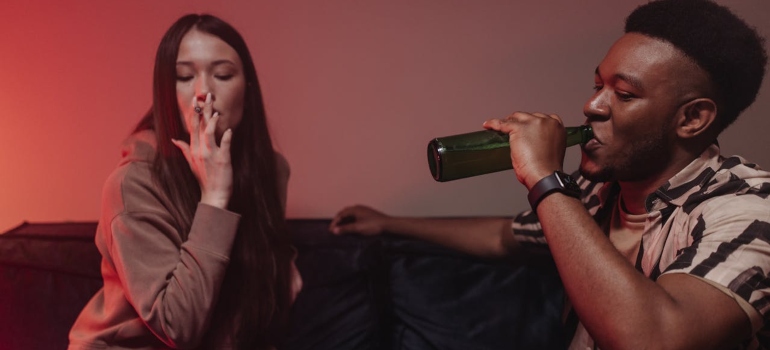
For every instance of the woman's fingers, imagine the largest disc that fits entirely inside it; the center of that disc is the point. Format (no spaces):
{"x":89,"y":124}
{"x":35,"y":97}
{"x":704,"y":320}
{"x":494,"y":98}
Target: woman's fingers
{"x":227,"y":138}
{"x":209,"y":132}
{"x":194,"y":125}
{"x":184,"y":147}
{"x":210,"y":163}
{"x":207,"y":124}
{"x":208,"y":108}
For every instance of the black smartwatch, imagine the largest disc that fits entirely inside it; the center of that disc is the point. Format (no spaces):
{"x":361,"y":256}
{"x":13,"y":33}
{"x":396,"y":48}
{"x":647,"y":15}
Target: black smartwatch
{"x":556,"y":182}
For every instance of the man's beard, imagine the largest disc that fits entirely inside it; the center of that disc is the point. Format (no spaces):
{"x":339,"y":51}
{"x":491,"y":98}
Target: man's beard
{"x":638,"y":162}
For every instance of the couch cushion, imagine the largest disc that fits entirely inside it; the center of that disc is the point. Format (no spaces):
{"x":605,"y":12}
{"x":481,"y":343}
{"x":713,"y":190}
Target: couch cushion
{"x":445,"y":300}
{"x":381,"y":292}
{"x":48,"y":272}
{"x":340,"y":305}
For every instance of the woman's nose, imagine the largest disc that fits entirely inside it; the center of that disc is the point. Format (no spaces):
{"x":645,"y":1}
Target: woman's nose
{"x":202,"y":89}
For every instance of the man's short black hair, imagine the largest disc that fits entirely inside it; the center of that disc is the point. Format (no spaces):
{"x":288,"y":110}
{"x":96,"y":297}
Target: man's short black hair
{"x":723,"y":45}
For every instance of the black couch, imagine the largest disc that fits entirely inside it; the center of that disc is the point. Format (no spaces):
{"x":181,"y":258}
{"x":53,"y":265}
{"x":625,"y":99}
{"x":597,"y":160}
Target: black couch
{"x":381,"y":292}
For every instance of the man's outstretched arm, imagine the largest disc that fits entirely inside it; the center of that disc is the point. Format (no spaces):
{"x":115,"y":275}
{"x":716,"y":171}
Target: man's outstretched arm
{"x":484,"y":237}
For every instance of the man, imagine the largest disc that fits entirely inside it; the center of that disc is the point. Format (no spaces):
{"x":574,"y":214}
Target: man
{"x":665,"y":244}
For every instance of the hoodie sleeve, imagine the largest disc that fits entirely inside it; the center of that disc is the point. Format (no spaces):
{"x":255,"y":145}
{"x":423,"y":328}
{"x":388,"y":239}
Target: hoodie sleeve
{"x":172,"y":284}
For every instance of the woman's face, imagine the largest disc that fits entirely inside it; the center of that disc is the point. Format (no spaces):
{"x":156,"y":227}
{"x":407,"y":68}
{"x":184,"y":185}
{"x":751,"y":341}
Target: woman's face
{"x":206,"y":64}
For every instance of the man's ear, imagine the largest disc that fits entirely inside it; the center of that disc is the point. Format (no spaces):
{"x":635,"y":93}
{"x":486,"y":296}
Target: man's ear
{"x":696,"y":118}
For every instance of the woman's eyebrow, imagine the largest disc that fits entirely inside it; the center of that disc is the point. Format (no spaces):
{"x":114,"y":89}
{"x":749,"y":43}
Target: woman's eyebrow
{"x":214,"y":63}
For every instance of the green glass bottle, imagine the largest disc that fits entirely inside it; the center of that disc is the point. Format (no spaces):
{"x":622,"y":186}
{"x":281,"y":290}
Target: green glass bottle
{"x":481,"y":152}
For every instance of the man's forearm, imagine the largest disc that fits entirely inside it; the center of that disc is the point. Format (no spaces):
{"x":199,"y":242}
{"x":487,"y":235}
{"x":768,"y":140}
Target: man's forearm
{"x":485,"y":237}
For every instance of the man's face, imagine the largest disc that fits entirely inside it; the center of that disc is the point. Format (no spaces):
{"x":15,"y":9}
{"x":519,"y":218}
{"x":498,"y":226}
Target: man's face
{"x":639,"y":89}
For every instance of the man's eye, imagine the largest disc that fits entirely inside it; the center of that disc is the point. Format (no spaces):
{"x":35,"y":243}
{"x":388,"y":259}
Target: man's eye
{"x":183,"y":78}
{"x":624,"y":96}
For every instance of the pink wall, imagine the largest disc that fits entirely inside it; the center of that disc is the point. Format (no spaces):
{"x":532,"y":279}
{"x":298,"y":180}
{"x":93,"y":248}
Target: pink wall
{"x":354,"y":90}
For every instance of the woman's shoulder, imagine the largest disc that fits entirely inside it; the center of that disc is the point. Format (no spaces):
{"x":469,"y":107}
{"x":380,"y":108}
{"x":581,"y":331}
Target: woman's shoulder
{"x":138,"y":147}
{"x":130,"y":186}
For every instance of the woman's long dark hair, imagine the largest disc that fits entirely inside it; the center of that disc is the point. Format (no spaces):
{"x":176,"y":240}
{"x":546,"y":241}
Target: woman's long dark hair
{"x":254,"y":299}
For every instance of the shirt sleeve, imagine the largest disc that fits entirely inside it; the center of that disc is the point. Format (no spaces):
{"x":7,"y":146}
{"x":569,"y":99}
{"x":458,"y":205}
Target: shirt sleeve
{"x":754,"y":317}
{"x":527,"y":230}
{"x":731,"y":247}
{"x":526,"y":226}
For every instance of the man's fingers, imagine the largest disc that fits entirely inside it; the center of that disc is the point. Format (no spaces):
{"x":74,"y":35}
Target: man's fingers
{"x":344,"y":228}
{"x":492,"y":124}
{"x":510,"y":122}
{"x":340,"y":214}
{"x":548,"y":116}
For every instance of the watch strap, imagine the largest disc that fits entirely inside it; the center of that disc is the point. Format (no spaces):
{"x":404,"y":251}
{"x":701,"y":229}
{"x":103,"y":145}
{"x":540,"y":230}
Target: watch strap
{"x":556,"y":182}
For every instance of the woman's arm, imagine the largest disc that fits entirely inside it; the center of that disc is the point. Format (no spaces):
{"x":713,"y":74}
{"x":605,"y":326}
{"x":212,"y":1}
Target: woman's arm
{"x":172,"y":283}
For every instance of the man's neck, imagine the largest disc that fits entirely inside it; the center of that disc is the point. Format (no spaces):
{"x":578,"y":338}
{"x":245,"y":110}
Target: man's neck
{"x":635,"y":193}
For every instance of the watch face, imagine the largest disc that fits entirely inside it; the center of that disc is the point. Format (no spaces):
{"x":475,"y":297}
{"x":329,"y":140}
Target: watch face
{"x":569,"y":183}
{"x":556,"y":182}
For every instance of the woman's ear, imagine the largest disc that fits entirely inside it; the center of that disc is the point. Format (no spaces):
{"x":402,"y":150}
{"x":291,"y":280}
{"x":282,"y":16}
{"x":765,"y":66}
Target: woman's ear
{"x":696,"y":118}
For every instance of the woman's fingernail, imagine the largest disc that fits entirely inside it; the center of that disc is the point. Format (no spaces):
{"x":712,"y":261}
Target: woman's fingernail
{"x":208,"y":97}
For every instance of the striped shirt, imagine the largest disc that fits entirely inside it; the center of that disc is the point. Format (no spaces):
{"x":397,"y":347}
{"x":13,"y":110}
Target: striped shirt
{"x":711,"y":220}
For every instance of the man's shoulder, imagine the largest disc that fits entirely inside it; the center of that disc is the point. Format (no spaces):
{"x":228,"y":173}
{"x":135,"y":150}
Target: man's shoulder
{"x":733,"y":207}
{"x":715,"y":178}
{"x":737,"y":171}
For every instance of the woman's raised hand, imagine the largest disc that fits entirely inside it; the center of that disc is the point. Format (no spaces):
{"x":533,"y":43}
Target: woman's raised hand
{"x":210,"y":163}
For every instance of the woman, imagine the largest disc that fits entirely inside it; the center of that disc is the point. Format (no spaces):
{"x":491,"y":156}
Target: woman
{"x":192,"y":232}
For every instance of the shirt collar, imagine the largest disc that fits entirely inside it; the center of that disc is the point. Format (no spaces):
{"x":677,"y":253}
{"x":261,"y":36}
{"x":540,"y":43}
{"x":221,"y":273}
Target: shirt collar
{"x":676,"y":190}
{"x":687,"y":181}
